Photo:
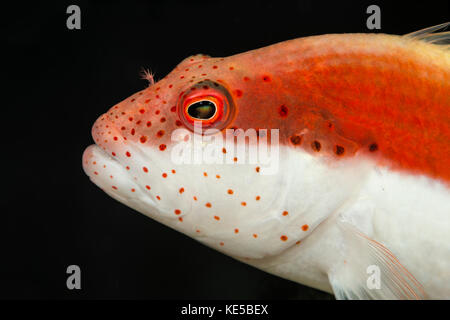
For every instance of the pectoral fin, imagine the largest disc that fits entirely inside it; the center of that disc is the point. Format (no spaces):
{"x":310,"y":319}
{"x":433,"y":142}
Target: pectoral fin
{"x":371,"y":271}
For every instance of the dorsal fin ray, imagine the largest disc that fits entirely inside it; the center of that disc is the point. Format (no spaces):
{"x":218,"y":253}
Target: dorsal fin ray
{"x":435,"y":35}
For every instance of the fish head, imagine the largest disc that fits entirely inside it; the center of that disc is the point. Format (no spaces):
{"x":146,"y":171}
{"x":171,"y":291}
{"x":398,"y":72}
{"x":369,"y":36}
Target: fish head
{"x":174,"y":152}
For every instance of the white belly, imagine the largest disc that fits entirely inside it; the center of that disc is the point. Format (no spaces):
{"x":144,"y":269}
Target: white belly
{"x":409,"y":215}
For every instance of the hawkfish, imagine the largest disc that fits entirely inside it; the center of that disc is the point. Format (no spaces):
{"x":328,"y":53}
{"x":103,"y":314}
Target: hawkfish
{"x":324,"y":160}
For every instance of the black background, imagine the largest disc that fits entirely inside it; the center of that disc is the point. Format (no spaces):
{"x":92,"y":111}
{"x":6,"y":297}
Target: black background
{"x":59,"y":81}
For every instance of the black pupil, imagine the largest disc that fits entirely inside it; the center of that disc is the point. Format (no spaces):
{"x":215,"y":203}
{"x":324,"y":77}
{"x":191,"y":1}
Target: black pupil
{"x":202,"y":110}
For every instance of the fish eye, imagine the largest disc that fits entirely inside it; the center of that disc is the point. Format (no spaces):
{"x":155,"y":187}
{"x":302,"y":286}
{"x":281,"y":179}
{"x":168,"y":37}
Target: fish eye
{"x":206,"y":103}
{"x":202,"y":110}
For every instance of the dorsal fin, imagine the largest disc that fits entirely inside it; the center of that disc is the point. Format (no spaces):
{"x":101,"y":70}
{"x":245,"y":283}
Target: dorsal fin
{"x":435,"y":35}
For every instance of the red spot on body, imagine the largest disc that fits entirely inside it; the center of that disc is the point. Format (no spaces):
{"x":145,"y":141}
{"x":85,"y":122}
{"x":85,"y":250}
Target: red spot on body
{"x":208,"y":205}
{"x":113,"y":153}
{"x":283,"y":238}
{"x":114,"y":187}
{"x":266,"y":78}
{"x":255,"y":235}
{"x":128,"y":154}
{"x":164,"y":175}
{"x":217,"y":218}
{"x":148,"y":187}
{"x":141,"y":110}
{"x":145,"y":169}
{"x":285,"y":213}
{"x":181,"y":190}
{"x":236,"y":230}
{"x":177,"y":211}
{"x":149,"y":123}
{"x":162,"y":147}
{"x":238,"y":93}
{"x":283,"y":111}
{"x":243,"y":203}
{"x":143,"y":139}
{"x":230,"y":191}
{"x":305,"y":227}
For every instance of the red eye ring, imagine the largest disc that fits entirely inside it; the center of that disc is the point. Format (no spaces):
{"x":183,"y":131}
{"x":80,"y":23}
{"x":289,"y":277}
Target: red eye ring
{"x":217,"y":96}
{"x":215,"y":100}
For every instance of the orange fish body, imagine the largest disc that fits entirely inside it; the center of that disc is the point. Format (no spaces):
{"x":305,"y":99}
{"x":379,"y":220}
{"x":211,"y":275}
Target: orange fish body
{"x":358,"y":128}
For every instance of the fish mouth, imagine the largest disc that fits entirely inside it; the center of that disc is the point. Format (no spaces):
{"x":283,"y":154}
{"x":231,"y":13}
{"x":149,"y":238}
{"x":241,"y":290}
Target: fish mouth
{"x":111,"y":176}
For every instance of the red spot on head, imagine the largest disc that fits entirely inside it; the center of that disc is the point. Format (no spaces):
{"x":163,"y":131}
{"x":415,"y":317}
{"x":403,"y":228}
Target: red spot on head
{"x":305,"y":227}
{"x":177,"y":211}
{"x":145,"y":169}
{"x":160,"y":133}
{"x":148,"y":187}
{"x":162,"y":147}
{"x":149,"y":123}
{"x":238,"y":93}
{"x":243,"y":203}
{"x":285,"y":213}
{"x":217,"y":218}
{"x":181,"y":190}
{"x":141,"y":110}
{"x":230,"y":191}
{"x":266,"y":78}
{"x":128,"y":154}
{"x":208,"y":205}
{"x":164,"y":175}
{"x":236,"y":230}
{"x":143,"y":139}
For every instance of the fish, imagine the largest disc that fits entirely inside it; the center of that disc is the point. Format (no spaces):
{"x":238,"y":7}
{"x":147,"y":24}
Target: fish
{"x":324,"y":160}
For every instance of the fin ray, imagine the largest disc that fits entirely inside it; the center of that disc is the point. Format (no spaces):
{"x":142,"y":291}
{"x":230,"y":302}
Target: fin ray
{"x":350,"y":279}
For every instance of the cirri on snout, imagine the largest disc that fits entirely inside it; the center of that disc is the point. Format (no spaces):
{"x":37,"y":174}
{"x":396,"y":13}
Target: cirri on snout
{"x":324,"y":160}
